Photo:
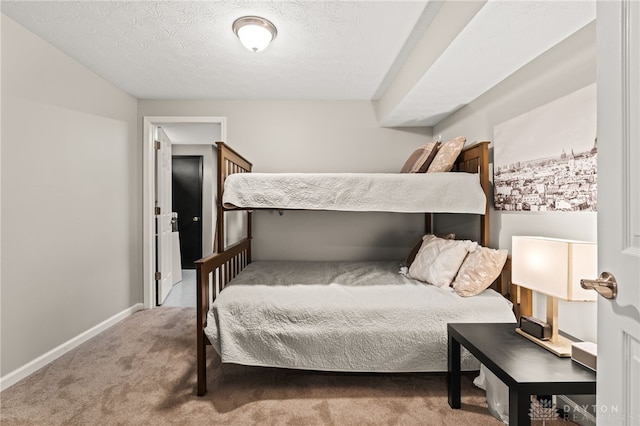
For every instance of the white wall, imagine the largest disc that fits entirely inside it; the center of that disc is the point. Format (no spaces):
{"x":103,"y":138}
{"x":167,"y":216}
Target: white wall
{"x":566,"y":68}
{"x":71,"y":205}
{"x":322,"y":136}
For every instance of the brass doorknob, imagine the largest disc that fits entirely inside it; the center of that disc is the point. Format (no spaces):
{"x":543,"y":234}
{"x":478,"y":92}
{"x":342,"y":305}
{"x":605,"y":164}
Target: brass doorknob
{"x":605,"y":285}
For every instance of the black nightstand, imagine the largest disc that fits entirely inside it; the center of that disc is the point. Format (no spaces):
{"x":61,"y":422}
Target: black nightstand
{"x":526,"y":368}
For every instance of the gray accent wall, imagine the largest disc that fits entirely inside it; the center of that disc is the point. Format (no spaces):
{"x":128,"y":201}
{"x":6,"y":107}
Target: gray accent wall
{"x":71,"y":205}
{"x":569,"y":66}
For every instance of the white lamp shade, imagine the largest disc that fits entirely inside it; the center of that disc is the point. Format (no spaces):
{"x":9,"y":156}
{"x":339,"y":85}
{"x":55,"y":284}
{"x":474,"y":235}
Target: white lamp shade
{"x":554,"y":267}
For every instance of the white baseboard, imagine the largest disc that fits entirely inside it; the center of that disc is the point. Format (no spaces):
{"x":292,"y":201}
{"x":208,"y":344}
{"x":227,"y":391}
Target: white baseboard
{"x":55,"y":353}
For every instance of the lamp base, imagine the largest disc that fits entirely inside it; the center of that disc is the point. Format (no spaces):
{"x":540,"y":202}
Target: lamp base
{"x":561,"y":347}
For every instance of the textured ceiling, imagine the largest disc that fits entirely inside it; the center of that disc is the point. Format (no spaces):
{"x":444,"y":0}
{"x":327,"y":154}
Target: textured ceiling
{"x":325,"y":50}
{"x":186,"y":49}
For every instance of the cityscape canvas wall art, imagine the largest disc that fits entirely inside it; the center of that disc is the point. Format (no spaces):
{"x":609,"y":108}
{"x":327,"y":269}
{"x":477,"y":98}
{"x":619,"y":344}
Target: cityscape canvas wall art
{"x":545,"y":159}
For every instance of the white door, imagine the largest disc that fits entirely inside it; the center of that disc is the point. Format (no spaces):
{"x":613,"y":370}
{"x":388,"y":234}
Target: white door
{"x":163,"y":216}
{"x":618,"y":35}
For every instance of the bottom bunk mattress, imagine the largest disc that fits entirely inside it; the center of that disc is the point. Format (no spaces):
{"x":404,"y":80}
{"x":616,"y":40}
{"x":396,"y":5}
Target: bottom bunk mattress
{"x":342,"y":316}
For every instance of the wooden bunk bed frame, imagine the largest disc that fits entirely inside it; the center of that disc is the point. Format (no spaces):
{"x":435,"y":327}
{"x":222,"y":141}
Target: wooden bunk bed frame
{"x":216,"y":270}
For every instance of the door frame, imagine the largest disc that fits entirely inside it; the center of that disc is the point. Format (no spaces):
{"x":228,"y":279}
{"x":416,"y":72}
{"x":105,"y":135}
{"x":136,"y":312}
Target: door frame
{"x":148,"y":190}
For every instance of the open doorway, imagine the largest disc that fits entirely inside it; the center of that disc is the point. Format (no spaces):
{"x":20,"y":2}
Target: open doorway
{"x":189,"y":136}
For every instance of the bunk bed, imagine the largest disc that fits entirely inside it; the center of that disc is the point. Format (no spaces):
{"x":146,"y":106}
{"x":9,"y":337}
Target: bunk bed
{"x":340,"y":316}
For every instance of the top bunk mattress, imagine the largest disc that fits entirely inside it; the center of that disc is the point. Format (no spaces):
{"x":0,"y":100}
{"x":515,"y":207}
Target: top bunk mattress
{"x":453,"y":192}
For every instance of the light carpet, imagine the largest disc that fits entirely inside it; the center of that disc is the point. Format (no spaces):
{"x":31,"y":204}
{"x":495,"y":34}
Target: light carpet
{"x":142,"y":372}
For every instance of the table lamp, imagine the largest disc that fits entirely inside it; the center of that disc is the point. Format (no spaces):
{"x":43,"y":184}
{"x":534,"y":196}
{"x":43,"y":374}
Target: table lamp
{"x":553,"y":267}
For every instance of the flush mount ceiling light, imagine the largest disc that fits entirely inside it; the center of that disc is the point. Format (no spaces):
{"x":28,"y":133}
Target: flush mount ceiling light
{"x":254,"y":32}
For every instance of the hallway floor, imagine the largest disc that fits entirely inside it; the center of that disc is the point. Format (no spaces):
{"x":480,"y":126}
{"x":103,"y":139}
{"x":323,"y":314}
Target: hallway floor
{"x":183,"y":294}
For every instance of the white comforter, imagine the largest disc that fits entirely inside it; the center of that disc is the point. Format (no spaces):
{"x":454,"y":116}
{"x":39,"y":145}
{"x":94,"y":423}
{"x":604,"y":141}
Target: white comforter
{"x":384,"y":192}
{"x":370,"y":318}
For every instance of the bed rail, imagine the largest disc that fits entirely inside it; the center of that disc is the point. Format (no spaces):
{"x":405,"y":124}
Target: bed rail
{"x":229,"y":162}
{"x":475,"y":159}
{"x":214,"y":273}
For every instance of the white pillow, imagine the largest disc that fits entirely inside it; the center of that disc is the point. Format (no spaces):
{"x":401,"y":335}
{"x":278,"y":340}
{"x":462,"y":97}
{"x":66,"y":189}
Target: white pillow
{"x":438,"y":260}
{"x":479,"y":271}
